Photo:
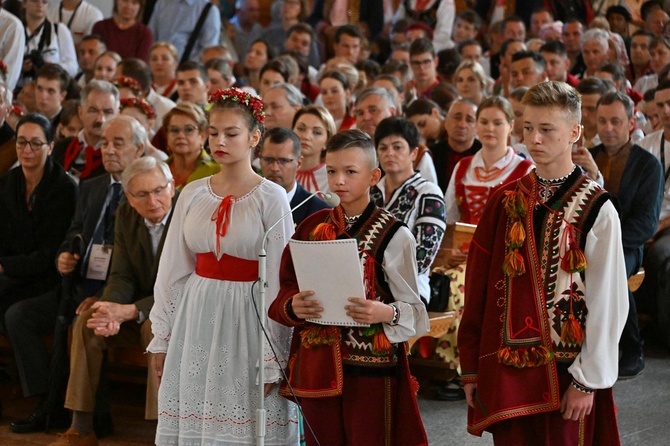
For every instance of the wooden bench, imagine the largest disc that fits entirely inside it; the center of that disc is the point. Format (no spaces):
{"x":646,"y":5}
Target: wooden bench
{"x":124,"y":364}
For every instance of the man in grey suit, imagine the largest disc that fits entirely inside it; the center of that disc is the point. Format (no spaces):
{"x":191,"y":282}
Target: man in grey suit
{"x":121,"y":316}
{"x":28,"y":321}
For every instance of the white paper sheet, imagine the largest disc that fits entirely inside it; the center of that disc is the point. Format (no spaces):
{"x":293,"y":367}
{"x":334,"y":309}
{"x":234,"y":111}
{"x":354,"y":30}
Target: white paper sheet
{"x":332,"y":270}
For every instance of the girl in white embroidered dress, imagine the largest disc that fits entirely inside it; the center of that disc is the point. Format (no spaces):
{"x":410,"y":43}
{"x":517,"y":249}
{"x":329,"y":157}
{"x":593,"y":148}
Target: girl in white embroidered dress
{"x":203,"y":319}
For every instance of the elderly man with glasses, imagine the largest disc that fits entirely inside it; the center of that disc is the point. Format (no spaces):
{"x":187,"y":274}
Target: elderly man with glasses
{"x":89,"y":267}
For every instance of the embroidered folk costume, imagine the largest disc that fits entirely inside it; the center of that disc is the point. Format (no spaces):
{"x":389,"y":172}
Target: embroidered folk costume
{"x":205,"y":317}
{"x":419,"y":204}
{"x":334,"y":370}
{"x":548,"y":314}
{"x":471,"y":184}
{"x":470,"y":187}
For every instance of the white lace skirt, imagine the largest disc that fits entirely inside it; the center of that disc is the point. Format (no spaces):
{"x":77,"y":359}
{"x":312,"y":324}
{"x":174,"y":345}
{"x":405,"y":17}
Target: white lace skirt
{"x":208,"y":394}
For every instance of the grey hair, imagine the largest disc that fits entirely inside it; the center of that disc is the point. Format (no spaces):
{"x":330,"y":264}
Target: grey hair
{"x":8,"y":91}
{"x":293,"y":95}
{"x":102,"y":87}
{"x":138,"y":132}
{"x":143,"y":165}
{"x":596,"y":34}
{"x":379,"y":91}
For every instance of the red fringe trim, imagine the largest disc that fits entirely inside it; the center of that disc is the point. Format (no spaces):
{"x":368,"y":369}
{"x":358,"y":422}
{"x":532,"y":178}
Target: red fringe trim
{"x":521,"y":357}
{"x":316,"y":335}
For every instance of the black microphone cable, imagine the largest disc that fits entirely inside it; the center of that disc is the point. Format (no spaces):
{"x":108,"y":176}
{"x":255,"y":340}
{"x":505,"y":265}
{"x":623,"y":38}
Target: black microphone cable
{"x":267,"y":338}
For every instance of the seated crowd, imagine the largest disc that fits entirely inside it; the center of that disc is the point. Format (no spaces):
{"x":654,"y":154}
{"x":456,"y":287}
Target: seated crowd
{"x":106,"y":118}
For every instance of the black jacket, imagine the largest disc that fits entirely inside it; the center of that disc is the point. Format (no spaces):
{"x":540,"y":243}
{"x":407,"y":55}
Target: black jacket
{"x":29,"y":239}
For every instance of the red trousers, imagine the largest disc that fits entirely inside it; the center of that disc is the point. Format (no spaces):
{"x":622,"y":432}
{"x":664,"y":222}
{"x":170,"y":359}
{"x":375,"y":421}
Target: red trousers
{"x":362,"y":415}
{"x":550,"y":429}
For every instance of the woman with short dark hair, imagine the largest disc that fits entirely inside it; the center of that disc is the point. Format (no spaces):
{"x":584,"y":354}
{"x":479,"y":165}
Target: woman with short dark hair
{"x":37,"y":201}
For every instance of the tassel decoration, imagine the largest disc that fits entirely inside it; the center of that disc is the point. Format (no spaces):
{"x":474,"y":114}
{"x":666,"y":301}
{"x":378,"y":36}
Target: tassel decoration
{"x":515,"y":204}
{"x":369,"y":278}
{"x":316,"y":335}
{"x":413,"y":384}
{"x":514,"y":265}
{"x":324,"y":231}
{"x":380,"y":343}
{"x":521,"y":357}
{"x":572,"y":331}
{"x":516,"y":235}
{"x":574,"y":260}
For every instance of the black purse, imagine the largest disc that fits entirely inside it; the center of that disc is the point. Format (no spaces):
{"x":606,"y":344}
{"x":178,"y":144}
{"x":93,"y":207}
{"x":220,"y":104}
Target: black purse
{"x":439,"y":292}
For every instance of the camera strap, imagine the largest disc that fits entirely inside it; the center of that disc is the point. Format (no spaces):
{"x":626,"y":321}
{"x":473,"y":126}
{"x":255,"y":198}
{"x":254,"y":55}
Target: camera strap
{"x":45,"y":38}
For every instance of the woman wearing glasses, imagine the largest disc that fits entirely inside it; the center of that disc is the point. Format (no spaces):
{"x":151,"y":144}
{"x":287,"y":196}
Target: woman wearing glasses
{"x":37,"y":201}
{"x":313,"y":125}
{"x":186,"y":127}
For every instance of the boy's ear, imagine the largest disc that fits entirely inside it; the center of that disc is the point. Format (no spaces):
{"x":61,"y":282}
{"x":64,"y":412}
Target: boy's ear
{"x":375,"y":176}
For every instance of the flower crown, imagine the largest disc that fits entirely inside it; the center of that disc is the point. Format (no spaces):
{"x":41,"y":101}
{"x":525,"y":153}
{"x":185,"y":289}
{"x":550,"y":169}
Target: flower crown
{"x":253,"y":103}
{"x":140,"y":104}
{"x":128,"y":82}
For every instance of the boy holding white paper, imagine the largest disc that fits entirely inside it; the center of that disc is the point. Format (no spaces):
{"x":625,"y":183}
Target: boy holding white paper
{"x":353,"y":382}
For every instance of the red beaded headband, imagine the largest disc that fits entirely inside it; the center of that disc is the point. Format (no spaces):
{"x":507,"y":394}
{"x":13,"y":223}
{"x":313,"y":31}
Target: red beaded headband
{"x":253,"y":103}
{"x":140,"y":104}
{"x":128,"y":82}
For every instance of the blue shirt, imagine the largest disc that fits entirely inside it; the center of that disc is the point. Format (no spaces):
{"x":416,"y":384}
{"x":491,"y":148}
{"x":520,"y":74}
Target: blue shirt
{"x":173,"y":21}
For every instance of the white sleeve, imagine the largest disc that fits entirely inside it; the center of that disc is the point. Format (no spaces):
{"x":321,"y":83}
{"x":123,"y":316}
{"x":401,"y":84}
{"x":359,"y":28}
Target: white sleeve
{"x":177,"y":263}
{"x":400,"y":13}
{"x":12,"y":50}
{"x":606,"y":297}
{"x":453,"y":213}
{"x":276,"y":206}
{"x":426,"y":168}
{"x":446,"y":14}
{"x":68,"y":55}
{"x":400,"y":271}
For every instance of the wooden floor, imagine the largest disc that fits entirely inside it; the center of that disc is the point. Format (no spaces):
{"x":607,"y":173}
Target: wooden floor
{"x":127,"y":410}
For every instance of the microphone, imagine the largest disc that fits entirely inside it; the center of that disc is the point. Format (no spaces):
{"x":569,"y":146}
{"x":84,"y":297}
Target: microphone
{"x":332,"y":200}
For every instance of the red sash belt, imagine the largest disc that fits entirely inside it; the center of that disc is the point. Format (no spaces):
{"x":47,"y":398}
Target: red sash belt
{"x":229,"y":268}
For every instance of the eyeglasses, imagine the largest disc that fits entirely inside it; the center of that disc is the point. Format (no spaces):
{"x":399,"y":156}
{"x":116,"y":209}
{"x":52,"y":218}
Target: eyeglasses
{"x":188,"y":130}
{"x":281,"y":161}
{"x":35,"y":144}
{"x":144,"y":195}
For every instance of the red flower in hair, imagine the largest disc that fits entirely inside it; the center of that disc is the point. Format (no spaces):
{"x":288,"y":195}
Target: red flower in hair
{"x":17,"y":110}
{"x":253,"y":103}
{"x":140,"y":104}
{"x":128,"y":82}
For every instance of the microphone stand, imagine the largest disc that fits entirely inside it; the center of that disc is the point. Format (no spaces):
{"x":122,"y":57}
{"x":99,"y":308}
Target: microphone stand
{"x":332,"y":200}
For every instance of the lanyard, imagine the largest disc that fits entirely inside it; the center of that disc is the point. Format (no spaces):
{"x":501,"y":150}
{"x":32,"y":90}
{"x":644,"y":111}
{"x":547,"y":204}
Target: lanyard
{"x":60,"y":14}
{"x":36,"y":32}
